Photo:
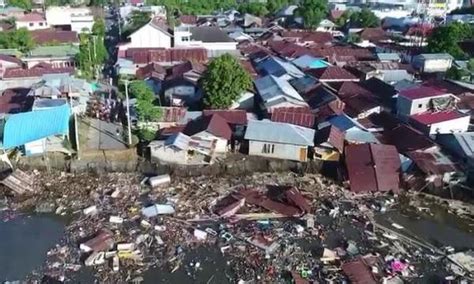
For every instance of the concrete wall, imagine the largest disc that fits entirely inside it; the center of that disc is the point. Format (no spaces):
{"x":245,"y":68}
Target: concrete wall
{"x":407,"y":107}
{"x":149,"y":36}
{"x":280,"y":151}
{"x":451,"y":126}
{"x":432,"y":65}
{"x":31,"y":26}
{"x":221,"y":145}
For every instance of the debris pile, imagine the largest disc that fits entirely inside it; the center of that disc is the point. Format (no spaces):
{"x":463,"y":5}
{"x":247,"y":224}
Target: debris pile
{"x":271,"y":228}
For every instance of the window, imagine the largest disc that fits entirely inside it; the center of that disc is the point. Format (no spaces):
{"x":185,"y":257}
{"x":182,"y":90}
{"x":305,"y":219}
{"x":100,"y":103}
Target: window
{"x":185,"y":38}
{"x":41,"y":24}
{"x":420,"y":105}
{"x":30,"y":24}
{"x":268,"y":148}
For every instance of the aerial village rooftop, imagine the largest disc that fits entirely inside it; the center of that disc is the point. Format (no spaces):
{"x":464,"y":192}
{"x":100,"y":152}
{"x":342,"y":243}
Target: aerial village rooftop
{"x":341,"y":95}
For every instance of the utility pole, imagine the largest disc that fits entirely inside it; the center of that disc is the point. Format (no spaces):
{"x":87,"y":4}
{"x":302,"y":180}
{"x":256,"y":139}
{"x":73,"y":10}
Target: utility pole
{"x":128,"y":114}
{"x":76,"y":128}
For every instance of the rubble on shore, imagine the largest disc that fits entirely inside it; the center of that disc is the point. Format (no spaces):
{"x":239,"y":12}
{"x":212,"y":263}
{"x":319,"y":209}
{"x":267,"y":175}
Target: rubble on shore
{"x":271,"y":227}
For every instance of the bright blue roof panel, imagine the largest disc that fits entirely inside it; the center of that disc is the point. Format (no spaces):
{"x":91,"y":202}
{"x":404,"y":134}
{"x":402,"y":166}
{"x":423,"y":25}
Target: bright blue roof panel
{"x":30,"y":126}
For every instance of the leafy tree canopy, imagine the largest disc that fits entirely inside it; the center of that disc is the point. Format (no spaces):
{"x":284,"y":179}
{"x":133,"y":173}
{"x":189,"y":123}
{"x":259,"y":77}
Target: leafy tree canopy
{"x":446,"y":39}
{"x":364,"y":18}
{"x":99,"y":27}
{"x":20,"y":39}
{"x":146,"y":109}
{"x":224,"y":81}
{"x":24,"y":4}
{"x":312,"y":12}
{"x":257,"y":9}
{"x":137,"y":20}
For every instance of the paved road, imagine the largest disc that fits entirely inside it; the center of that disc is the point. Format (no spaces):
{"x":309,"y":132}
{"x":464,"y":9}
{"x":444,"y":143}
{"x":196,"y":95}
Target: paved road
{"x":103,"y":136}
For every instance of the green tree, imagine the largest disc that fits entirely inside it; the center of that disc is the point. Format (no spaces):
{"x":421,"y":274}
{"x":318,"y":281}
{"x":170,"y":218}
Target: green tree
{"x":353,"y":38}
{"x":24,"y":4}
{"x":99,"y":27}
{"x":20,"y":39}
{"x":137,"y":20}
{"x":274,"y":6}
{"x":446,"y":39}
{"x":146,"y":109}
{"x":470,"y":65}
{"x":224,"y":81}
{"x":455,"y":73}
{"x":343,"y":19}
{"x":364,"y":19}
{"x":257,"y":9}
{"x":92,"y":51}
{"x":312,"y":12}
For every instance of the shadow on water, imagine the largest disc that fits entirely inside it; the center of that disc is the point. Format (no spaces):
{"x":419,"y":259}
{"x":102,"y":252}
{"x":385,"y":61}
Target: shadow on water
{"x":24,"y":243}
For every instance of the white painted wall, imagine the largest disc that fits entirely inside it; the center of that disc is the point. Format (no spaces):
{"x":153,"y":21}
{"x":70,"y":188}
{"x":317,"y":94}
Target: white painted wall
{"x":281,"y":151}
{"x":59,"y":16}
{"x":82,"y":23}
{"x":36,"y":147}
{"x":31,"y":26}
{"x":452,"y":126}
{"x":406,"y":107}
{"x":150,"y":37}
{"x":221,"y":144}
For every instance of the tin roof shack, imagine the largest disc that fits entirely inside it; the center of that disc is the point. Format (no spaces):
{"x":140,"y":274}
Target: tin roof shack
{"x":213,"y":128}
{"x":432,"y":62}
{"x":437,"y":167}
{"x":274,"y":92}
{"x":182,"y":150}
{"x":420,"y":99}
{"x":442,"y":122}
{"x":279,"y":140}
{"x":279,"y":68}
{"x":459,"y":144}
{"x":33,"y":129}
{"x":329,"y":144}
{"x":372,"y":167}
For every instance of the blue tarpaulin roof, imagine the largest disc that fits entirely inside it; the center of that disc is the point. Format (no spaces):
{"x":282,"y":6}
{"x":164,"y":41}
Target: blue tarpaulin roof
{"x":30,"y":126}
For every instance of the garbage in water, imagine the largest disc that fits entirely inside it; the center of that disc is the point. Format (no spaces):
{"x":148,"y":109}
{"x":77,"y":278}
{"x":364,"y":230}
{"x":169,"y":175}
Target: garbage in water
{"x":271,"y":228}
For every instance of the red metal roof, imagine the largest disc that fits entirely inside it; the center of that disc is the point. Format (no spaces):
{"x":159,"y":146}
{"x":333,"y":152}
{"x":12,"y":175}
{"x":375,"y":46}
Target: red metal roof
{"x":146,"y":55}
{"x":332,"y":73}
{"x":332,"y":135}
{"x":247,"y":65}
{"x":305,"y":36}
{"x":188,"y":19}
{"x":428,"y":118}
{"x":214,"y":124}
{"x":387,"y":165}
{"x":297,"y":116}
{"x":358,"y":272}
{"x":421,"y":92}
{"x":429,"y":163}
{"x":49,"y":35}
{"x":36,"y":71}
{"x":152,"y":70}
{"x":12,"y":59}
{"x":372,"y":167}
{"x":417,"y":140}
{"x":360,"y":168}
{"x":237,"y":117}
{"x":15,"y":101}
{"x":32,"y":17}
{"x":180,"y":69}
{"x":374,"y":34}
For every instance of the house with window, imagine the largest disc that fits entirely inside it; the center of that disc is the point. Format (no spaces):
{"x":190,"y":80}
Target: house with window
{"x":155,"y":34}
{"x":212,"y":129}
{"x":279,"y":140}
{"x":441,"y":122}
{"x":213,"y":39}
{"x":432,"y":62}
{"x":77,"y":19}
{"x":420,"y":99}
{"x":329,"y":144}
{"x":32,"y":21}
